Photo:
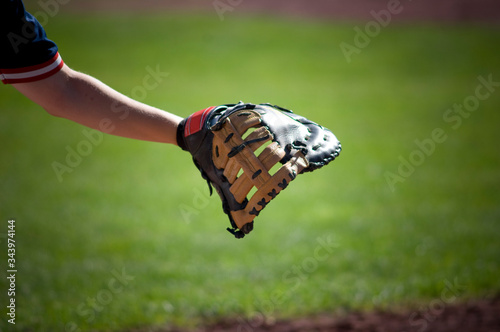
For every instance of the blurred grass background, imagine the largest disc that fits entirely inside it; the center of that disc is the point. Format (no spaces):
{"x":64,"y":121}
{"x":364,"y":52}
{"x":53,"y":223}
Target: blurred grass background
{"x":140,"y":209}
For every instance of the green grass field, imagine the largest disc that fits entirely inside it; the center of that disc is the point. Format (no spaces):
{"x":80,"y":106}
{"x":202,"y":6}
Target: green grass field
{"x":130,"y":239}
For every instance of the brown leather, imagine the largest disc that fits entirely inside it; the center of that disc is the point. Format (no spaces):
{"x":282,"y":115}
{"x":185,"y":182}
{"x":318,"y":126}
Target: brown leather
{"x":255,"y":168}
{"x":249,"y":153}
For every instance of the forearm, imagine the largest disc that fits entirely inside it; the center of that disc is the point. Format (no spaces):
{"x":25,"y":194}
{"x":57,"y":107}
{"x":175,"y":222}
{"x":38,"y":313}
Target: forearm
{"x":85,"y":100}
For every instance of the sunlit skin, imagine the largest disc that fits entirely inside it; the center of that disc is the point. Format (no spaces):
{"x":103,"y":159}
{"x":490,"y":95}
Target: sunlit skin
{"x":83,"y":99}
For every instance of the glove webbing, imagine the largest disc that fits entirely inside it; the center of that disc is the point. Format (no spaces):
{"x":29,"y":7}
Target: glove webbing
{"x":232,"y":153}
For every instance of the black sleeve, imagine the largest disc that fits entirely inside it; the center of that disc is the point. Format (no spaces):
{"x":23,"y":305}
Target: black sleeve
{"x":26,"y":54}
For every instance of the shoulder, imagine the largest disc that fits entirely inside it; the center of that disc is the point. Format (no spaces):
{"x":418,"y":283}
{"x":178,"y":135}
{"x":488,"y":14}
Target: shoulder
{"x":27,"y":54}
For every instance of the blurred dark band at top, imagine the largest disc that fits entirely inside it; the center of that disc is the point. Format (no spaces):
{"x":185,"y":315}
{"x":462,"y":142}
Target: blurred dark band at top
{"x":342,"y":10}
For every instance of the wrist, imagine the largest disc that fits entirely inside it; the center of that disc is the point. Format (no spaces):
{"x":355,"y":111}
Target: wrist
{"x":180,"y":135}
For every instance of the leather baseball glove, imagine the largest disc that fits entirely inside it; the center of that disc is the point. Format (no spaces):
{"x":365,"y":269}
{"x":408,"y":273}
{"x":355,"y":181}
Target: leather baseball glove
{"x":240,"y":147}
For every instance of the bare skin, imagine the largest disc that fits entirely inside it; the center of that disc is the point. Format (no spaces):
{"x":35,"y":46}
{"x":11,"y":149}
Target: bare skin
{"x":83,"y":99}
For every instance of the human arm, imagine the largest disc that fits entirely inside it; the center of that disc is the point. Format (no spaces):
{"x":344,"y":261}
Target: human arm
{"x":31,"y":63}
{"x":83,"y":99}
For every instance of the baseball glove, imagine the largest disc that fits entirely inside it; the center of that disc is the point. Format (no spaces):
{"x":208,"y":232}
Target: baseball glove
{"x":235,"y":146}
